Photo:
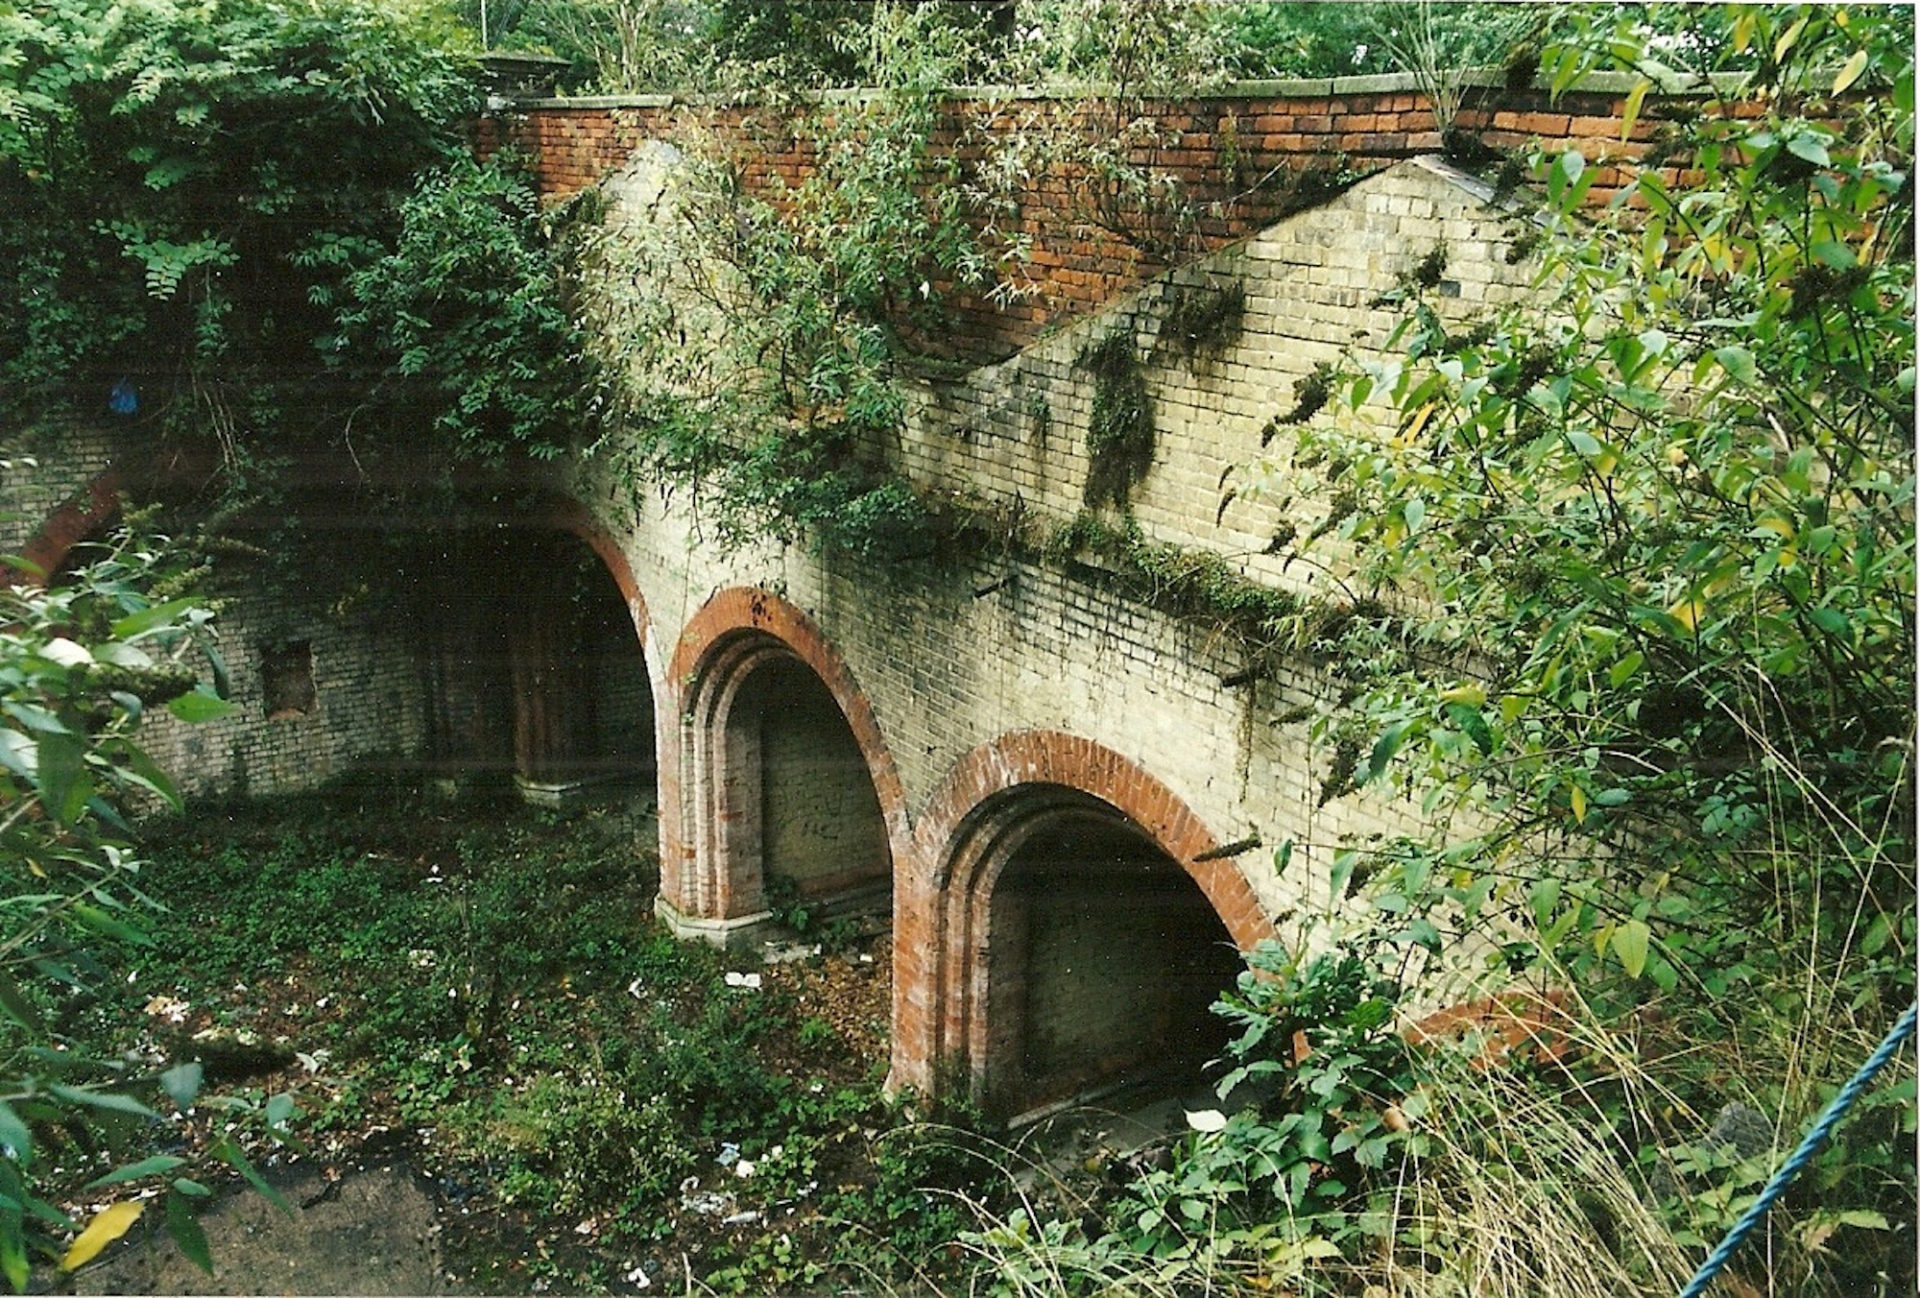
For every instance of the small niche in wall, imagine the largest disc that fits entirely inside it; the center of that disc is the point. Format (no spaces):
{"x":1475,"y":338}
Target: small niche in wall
{"x":286,"y":680}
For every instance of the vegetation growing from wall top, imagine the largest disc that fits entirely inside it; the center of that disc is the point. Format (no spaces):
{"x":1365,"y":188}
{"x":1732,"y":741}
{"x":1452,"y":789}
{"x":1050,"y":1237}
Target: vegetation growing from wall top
{"x":809,"y":302}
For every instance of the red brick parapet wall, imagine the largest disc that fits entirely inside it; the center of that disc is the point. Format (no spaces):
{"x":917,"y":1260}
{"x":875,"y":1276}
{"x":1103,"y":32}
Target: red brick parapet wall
{"x":1245,"y":156}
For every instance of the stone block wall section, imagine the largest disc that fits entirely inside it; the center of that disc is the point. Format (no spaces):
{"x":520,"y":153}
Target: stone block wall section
{"x":1241,"y":153}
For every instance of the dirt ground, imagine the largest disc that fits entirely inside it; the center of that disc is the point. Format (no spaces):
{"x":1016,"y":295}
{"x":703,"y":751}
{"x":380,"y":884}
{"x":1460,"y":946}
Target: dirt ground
{"x":370,"y":1232}
{"x":369,"y":1221}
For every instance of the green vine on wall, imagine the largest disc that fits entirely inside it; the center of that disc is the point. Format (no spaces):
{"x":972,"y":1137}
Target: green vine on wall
{"x":1120,"y":429}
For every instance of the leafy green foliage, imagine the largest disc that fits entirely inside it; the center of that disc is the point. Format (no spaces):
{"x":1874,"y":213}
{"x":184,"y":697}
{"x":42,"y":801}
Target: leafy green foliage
{"x":573,"y":1061}
{"x":1652,"y":536}
{"x":188,"y":187}
{"x":80,"y":664}
{"x":807,"y":299}
{"x":465,"y":321}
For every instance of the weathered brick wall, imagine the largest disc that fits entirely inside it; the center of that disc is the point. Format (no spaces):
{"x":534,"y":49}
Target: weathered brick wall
{"x":967,"y":682}
{"x":1239,"y":153}
{"x":368,"y":701}
{"x":369,"y":704}
{"x":50,"y":469}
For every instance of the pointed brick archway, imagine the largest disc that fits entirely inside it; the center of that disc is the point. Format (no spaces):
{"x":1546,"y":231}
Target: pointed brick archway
{"x":1002,"y":807}
{"x":750,"y":667}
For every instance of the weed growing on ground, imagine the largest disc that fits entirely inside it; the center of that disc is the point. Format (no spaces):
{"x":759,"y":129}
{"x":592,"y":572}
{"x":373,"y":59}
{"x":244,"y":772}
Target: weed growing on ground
{"x":490,"y":984}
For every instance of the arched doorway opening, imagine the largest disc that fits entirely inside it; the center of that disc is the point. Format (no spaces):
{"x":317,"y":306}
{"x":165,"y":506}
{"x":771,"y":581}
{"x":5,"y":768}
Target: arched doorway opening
{"x":784,"y":805}
{"x":1102,"y":957}
{"x":537,"y":669}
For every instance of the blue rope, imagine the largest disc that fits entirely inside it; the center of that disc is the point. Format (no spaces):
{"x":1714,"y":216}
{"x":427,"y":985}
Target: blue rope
{"x":1801,"y":1156}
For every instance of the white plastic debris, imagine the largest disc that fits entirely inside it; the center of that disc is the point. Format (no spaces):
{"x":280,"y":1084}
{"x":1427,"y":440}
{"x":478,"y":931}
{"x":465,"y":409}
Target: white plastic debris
{"x":743,"y":1169}
{"x":729,"y":1154}
{"x":750,"y":981}
{"x":746,"y":1218}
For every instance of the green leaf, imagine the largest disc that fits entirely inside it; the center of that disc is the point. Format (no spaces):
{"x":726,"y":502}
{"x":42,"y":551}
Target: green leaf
{"x":154,"y":1166}
{"x":1809,"y":148}
{"x":1384,"y":749}
{"x":62,"y":759}
{"x":1630,"y":111}
{"x":112,"y":1101}
{"x":1622,"y":671}
{"x":198,"y":706}
{"x":101,"y":922}
{"x":18,"y":1007}
{"x":15,"y":1135}
{"x":148,"y":619}
{"x":1830,"y":620}
{"x":1474,"y":725}
{"x":281,"y":1109}
{"x":1543,"y":897}
{"x":233,"y":1156}
{"x":1736,"y":361}
{"x":182,"y":1083}
{"x":1630,"y":944}
{"x":185,"y":1231}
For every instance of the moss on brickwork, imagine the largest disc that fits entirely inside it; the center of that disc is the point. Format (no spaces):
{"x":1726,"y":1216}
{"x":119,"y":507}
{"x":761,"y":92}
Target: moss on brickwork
{"x":1120,"y":431}
{"x":1176,"y":579}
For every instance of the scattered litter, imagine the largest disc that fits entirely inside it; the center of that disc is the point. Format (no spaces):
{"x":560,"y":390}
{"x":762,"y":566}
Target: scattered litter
{"x":174,"y":1011}
{"x":786,"y":952}
{"x":750,"y":981}
{"x":312,"y":1062}
{"x":866,"y":958}
{"x":729,"y":1154}
{"x":638,"y":1278}
{"x":743,"y":1169}
{"x":633,"y":988}
{"x":745,"y":1218}
{"x":586,"y":1227}
{"x":421,"y":958}
{"x":706,"y":1203}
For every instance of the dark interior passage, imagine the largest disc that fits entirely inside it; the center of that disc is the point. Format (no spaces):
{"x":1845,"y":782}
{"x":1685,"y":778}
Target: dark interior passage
{"x":535,"y":666}
{"x":1106,"y":958}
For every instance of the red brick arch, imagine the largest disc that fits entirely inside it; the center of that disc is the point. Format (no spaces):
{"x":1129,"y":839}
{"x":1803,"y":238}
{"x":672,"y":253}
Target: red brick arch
{"x":571,"y":516}
{"x":93,"y":507}
{"x":959,"y":845}
{"x":733,"y":632}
